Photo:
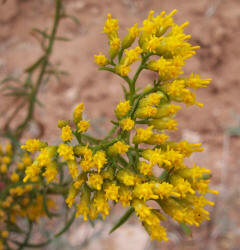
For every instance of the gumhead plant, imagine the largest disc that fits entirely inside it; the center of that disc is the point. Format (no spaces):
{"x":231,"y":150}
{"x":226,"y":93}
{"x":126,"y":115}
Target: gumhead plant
{"x":136,"y":163}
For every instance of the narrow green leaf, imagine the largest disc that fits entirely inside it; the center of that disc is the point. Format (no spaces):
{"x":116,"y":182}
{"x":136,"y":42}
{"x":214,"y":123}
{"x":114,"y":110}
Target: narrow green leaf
{"x":67,"y":225}
{"x":32,"y":245}
{"x":185,"y":228}
{"x":73,"y":18}
{"x":10,"y":79}
{"x":49,"y":214}
{"x":206,"y":176}
{"x":123,"y":219}
{"x":35,"y":65}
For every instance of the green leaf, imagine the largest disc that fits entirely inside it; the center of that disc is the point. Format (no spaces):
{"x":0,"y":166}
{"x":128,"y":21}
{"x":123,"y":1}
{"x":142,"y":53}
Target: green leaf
{"x":206,"y":176}
{"x":35,"y":65}
{"x":73,"y":18}
{"x":49,"y":214}
{"x":185,"y":228}
{"x":67,"y":225}
{"x":10,"y":79}
{"x":125,"y":91}
{"x":122,"y":220}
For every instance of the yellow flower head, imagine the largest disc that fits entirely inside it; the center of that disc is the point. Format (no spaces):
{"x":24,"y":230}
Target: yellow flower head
{"x":66,"y":152}
{"x":111,"y":25}
{"x":66,"y":133}
{"x":122,"y":109}
{"x":14,"y":177}
{"x":77,"y":113}
{"x":101,"y":60}
{"x":111,"y":192}
{"x":118,"y":148}
{"x":100,"y":160}
{"x":83,"y":126}
{"x":127,"y":124}
{"x":33,"y":145}
{"x":142,"y":135}
{"x":95,"y":181}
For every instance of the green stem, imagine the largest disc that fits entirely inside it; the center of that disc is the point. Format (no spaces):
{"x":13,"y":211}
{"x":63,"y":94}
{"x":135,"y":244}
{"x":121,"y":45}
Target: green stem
{"x":111,"y":132}
{"x":44,"y":63}
{"x":30,"y":225}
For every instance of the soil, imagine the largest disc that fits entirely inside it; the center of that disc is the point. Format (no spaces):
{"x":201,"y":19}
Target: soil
{"x":214,"y":25}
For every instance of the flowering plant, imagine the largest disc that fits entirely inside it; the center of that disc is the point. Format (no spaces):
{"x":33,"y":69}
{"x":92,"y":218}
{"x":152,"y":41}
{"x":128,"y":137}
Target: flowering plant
{"x":136,"y":162}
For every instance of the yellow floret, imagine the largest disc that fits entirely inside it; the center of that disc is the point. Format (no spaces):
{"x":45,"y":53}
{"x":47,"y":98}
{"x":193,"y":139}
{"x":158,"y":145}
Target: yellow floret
{"x":111,"y":192}
{"x":142,"y":135}
{"x":77,"y":113}
{"x":122,"y":109}
{"x":14,"y":177}
{"x":126,"y":124}
{"x":66,"y":133}
{"x":100,"y":160}
{"x":66,"y":152}
{"x":122,"y":70}
{"x":95,"y":181}
{"x":83,"y":126}
{"x":32,"y":145}
{"x":111,"y":25}
{"x":101,"y":60}
{"x":118,"y":148}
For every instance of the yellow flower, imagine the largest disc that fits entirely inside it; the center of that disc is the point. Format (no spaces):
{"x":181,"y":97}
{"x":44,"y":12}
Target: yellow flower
{"x":133,"y":32}
{"x":126,"y":124}
{"x":65,"y":151}
{"x":51,"y":172}
{"x":83,"y":207}
{"x":95,"y":181}
{"x":161,"y":124}
{"x":100,"y":204}
{"x":83,"y":126}
{"x":126,"y":177}
{"x":157,"y":139}
{"x":146,"y":112}
{"x":4,"y":234}
{"x":14,"y":177}
{"x":118,"y":148}
{"x":164,"y":190}
{"x":77,"y":113}
{"x":145,"y":168}
{"x":3,"y":168}
{"x":111,"y":25}
{"x":101,"y":60}
{"x":100,"y":160}
{"x":122,"y":70}
{"x":32,"y":145}
{"x":144,"y":191}
{"x":111,"y":192}
{"x":142,"y":135}
{"x":72,"y":193}
{"x":122,"y":109}
{"x":151,"y":99}
{"x":66,"y":133}
{"x":125,"y":196}
{"x":132,"y":56}
{"x":196,"y":82}
{"x":62,"y":123}
{"x":32,"y":172}
{"x":73,"y":169}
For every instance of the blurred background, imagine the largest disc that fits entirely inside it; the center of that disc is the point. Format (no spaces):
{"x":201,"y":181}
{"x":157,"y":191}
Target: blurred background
{"x":214,"y":25}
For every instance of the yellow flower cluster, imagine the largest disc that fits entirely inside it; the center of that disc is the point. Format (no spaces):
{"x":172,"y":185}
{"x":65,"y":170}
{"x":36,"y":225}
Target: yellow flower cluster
{"x":135,"y":162}
{"x":17,"y":199}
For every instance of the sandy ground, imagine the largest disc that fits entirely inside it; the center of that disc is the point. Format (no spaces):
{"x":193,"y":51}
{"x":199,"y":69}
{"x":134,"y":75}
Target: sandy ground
{"x":214,"y":26}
